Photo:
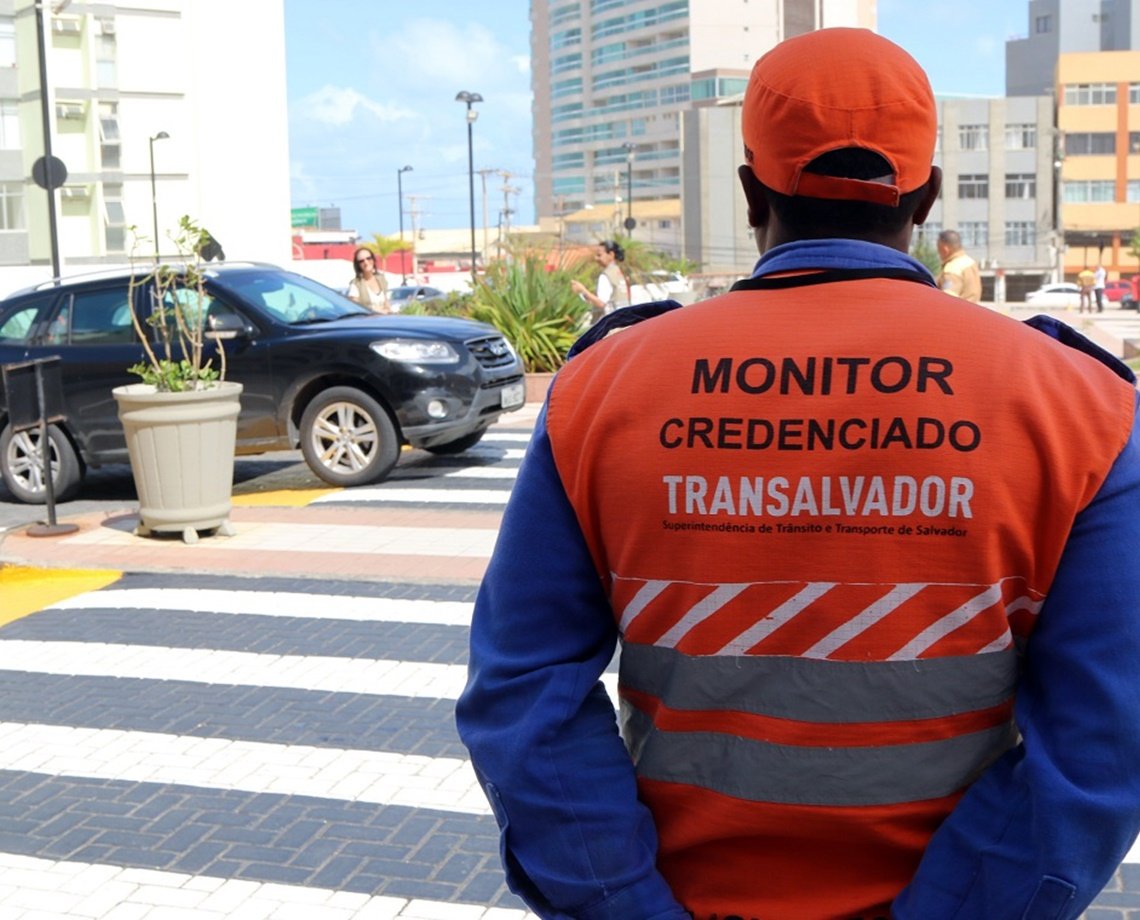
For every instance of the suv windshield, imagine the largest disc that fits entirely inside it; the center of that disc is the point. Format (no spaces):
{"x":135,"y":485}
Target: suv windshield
{"x":287,"y":297}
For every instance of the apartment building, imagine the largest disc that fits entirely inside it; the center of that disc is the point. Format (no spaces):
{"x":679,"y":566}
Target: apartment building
{"x":1059,"y":27}
{"x":612,"y":77}
{"x":1098,"y":120}
{"x":155,"y":113}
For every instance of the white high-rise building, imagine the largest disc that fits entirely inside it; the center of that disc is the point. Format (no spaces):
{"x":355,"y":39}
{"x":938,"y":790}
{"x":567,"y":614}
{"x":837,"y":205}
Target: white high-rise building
{"x":611,"y":77}
{"x":155,"y":112}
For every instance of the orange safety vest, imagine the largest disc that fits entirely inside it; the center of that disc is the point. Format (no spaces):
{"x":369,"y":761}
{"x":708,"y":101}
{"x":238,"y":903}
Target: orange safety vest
{"x":826,"y":521}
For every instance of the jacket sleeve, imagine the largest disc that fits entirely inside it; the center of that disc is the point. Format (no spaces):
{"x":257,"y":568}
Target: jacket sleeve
{"x":576,"y":842}
{"x":1038,"y":835}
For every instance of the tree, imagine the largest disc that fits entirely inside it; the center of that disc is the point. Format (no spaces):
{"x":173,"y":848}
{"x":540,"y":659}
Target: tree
{"x":926,"y":253}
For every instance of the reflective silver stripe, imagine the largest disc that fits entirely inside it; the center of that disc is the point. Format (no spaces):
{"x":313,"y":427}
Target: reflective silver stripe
{"x":821,"y":690}
{"x":791,"y":775}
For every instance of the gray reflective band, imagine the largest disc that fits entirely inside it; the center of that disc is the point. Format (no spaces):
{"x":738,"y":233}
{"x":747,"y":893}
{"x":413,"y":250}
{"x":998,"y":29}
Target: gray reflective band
{"x":791,"y":775}
{"x":821,"y":690}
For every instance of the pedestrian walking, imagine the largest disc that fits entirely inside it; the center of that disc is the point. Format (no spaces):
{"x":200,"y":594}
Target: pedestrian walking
{"x":1100,"y":278}
{"x":1086,"y":281}
{"x":875,"y":592}
{"x":959,"y":275}
{"x":613,"y":288}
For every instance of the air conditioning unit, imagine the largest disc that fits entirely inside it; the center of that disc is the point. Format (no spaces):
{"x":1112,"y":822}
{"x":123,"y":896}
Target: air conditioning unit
{"x":75,"y":193}
{"x":69,"y":110}
{"x":107,"y":26}
{"x":66,"y":25}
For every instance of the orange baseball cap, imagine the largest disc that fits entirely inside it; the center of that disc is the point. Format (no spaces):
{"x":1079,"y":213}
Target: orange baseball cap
{"x":833,"y":89}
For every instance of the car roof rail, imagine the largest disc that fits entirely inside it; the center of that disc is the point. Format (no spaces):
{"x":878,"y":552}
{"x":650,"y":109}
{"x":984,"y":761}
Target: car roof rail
{"x":121,"y":271}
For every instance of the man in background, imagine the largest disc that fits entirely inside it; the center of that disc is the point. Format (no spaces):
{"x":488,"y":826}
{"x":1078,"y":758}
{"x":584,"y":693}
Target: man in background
{"x":959,"y":275}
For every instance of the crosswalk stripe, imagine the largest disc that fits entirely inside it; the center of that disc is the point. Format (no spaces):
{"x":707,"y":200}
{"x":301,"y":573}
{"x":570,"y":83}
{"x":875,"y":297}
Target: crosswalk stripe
{"x":376,"y":777}
{"x":275,"y":604}
{"x":441,"y":496}
{"x":484,"y":472}
{"x":83,"y":889}
{"x":300,"y":672}
{"x":381,"y":677}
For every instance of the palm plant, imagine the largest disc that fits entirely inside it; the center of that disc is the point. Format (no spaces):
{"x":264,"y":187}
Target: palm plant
{"x":535,"y":308}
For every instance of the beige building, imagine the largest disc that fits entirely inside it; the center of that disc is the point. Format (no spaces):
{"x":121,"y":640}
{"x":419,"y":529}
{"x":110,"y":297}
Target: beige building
{"x":611,"y":79}
{"x":167,"y":79}
{"x":1098,"y":119}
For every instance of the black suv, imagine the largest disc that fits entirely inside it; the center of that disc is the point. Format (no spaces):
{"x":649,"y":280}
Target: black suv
{"x":347,"y":386}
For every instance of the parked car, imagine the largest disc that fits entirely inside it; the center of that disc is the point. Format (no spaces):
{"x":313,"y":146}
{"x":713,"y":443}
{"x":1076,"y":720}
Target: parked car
{"x":347,"y":386}
{"x":659,"y":285}
{"x":1120,"y":292}
{"x":1063,"y":294}
{"x":409,"y":293}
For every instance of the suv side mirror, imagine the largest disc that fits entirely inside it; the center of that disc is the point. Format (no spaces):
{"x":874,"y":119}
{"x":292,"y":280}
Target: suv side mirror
{"x":226,"y":325}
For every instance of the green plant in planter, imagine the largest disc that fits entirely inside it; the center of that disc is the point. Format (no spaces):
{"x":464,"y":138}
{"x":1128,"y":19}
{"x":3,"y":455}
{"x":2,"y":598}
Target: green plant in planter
{"x":535,"y":308}
{"x":179,"y":305}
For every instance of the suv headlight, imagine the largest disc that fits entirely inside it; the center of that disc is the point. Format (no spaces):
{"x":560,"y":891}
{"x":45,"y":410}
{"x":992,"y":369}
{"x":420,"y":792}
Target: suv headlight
{"x":416,"y":351}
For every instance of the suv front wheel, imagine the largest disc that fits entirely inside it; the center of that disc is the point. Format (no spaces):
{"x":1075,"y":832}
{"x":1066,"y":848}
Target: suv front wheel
{"x":347,"y":438}
{"x":23,"y":472}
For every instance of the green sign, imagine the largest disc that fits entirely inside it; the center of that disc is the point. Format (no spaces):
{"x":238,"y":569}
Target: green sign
{"x":306,"y":217}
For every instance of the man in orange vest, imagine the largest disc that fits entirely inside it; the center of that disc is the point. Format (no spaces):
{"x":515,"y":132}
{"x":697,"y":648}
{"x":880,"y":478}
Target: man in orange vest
{"x":875,"y":593}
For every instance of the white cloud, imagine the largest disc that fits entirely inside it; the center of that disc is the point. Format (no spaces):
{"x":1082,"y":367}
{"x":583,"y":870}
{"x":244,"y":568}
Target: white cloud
{"x":338,"y":105}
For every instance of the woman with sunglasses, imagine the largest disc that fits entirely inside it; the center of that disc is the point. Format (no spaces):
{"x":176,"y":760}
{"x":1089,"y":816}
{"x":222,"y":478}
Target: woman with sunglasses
{"x":369,"y":288}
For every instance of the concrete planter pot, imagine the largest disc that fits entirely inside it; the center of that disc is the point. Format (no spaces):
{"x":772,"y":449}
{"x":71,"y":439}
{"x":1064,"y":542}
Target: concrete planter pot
{"x":181,"y":448}
{"x":536,"y":386}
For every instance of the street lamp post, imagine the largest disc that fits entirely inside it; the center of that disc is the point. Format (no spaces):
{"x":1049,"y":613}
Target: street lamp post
{"x":471,"y":99}
{"x":161,"y":136}
{"x":630,"y":223}
{"x":400,"y":195}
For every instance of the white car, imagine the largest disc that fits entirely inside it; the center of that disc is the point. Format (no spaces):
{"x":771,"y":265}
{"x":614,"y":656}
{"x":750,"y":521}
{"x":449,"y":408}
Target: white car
{"x":1065,"y":294}
{"x":659,"y":285}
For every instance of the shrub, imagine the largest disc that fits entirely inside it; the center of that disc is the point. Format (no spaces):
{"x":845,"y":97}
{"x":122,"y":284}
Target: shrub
{"x":534,"y":308}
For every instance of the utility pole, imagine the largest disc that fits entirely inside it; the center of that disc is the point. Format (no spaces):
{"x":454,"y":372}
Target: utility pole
{"x":483,"y":174}
{"x":414,"y":214}
{"x":508,"y":190}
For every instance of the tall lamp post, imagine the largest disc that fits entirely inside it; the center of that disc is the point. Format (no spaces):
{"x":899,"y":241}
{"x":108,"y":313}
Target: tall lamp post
{"x":471,"y":99}
{"x":161,"y":136}
{"x":630,"y":223}
{"x":400,"y":195}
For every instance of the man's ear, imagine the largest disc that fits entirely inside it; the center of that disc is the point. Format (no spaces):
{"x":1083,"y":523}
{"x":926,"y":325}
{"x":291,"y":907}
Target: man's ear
{"x":754,"y":195}
{"x":933,"y":187}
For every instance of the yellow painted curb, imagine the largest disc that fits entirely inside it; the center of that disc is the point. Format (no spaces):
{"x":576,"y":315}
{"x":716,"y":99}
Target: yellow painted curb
{"x":26,"y":590}
{"x":292,"y":498}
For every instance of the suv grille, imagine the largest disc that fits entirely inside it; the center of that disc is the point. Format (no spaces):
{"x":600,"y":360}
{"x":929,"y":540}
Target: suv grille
{"x":491,"y":352}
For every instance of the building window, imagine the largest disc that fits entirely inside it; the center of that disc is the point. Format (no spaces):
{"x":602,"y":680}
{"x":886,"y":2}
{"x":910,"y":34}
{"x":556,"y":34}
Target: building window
{"x":1043,"y":24}
{"x":568,"y":161}
{"x":1020,"y":137}
{"x":9,"y":125}
{"x":1133,"y":191}
{"x":1020,"y":233}
{"x":973,"y":137}
{"x":1090,"y":94}
{"x":106,"y":71}
{"x":12,"y":206}
{"x":974,"y":185}
{"x":565,"y":39}
{"x":564,"y":13}
{"x":1134,"y":93}
{"x":7,"y":41}
{"x":571,"y":87}
{"x":566,"y":62}
{"x":1092,"y":143}
{"x":564,"y":112}
{"x":1089,"y":191}
{"x":1020,"y":185}
{"x":114,"y":218}
{"x":974,"y":233}
{"x":110,"y":143}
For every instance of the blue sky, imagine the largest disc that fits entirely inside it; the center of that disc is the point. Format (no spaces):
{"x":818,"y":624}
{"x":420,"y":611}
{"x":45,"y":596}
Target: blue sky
{"x":371,"y":88}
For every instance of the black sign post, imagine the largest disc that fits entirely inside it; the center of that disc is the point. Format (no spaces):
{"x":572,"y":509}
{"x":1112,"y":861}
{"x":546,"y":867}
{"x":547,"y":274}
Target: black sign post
{"x":35,"y":399}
